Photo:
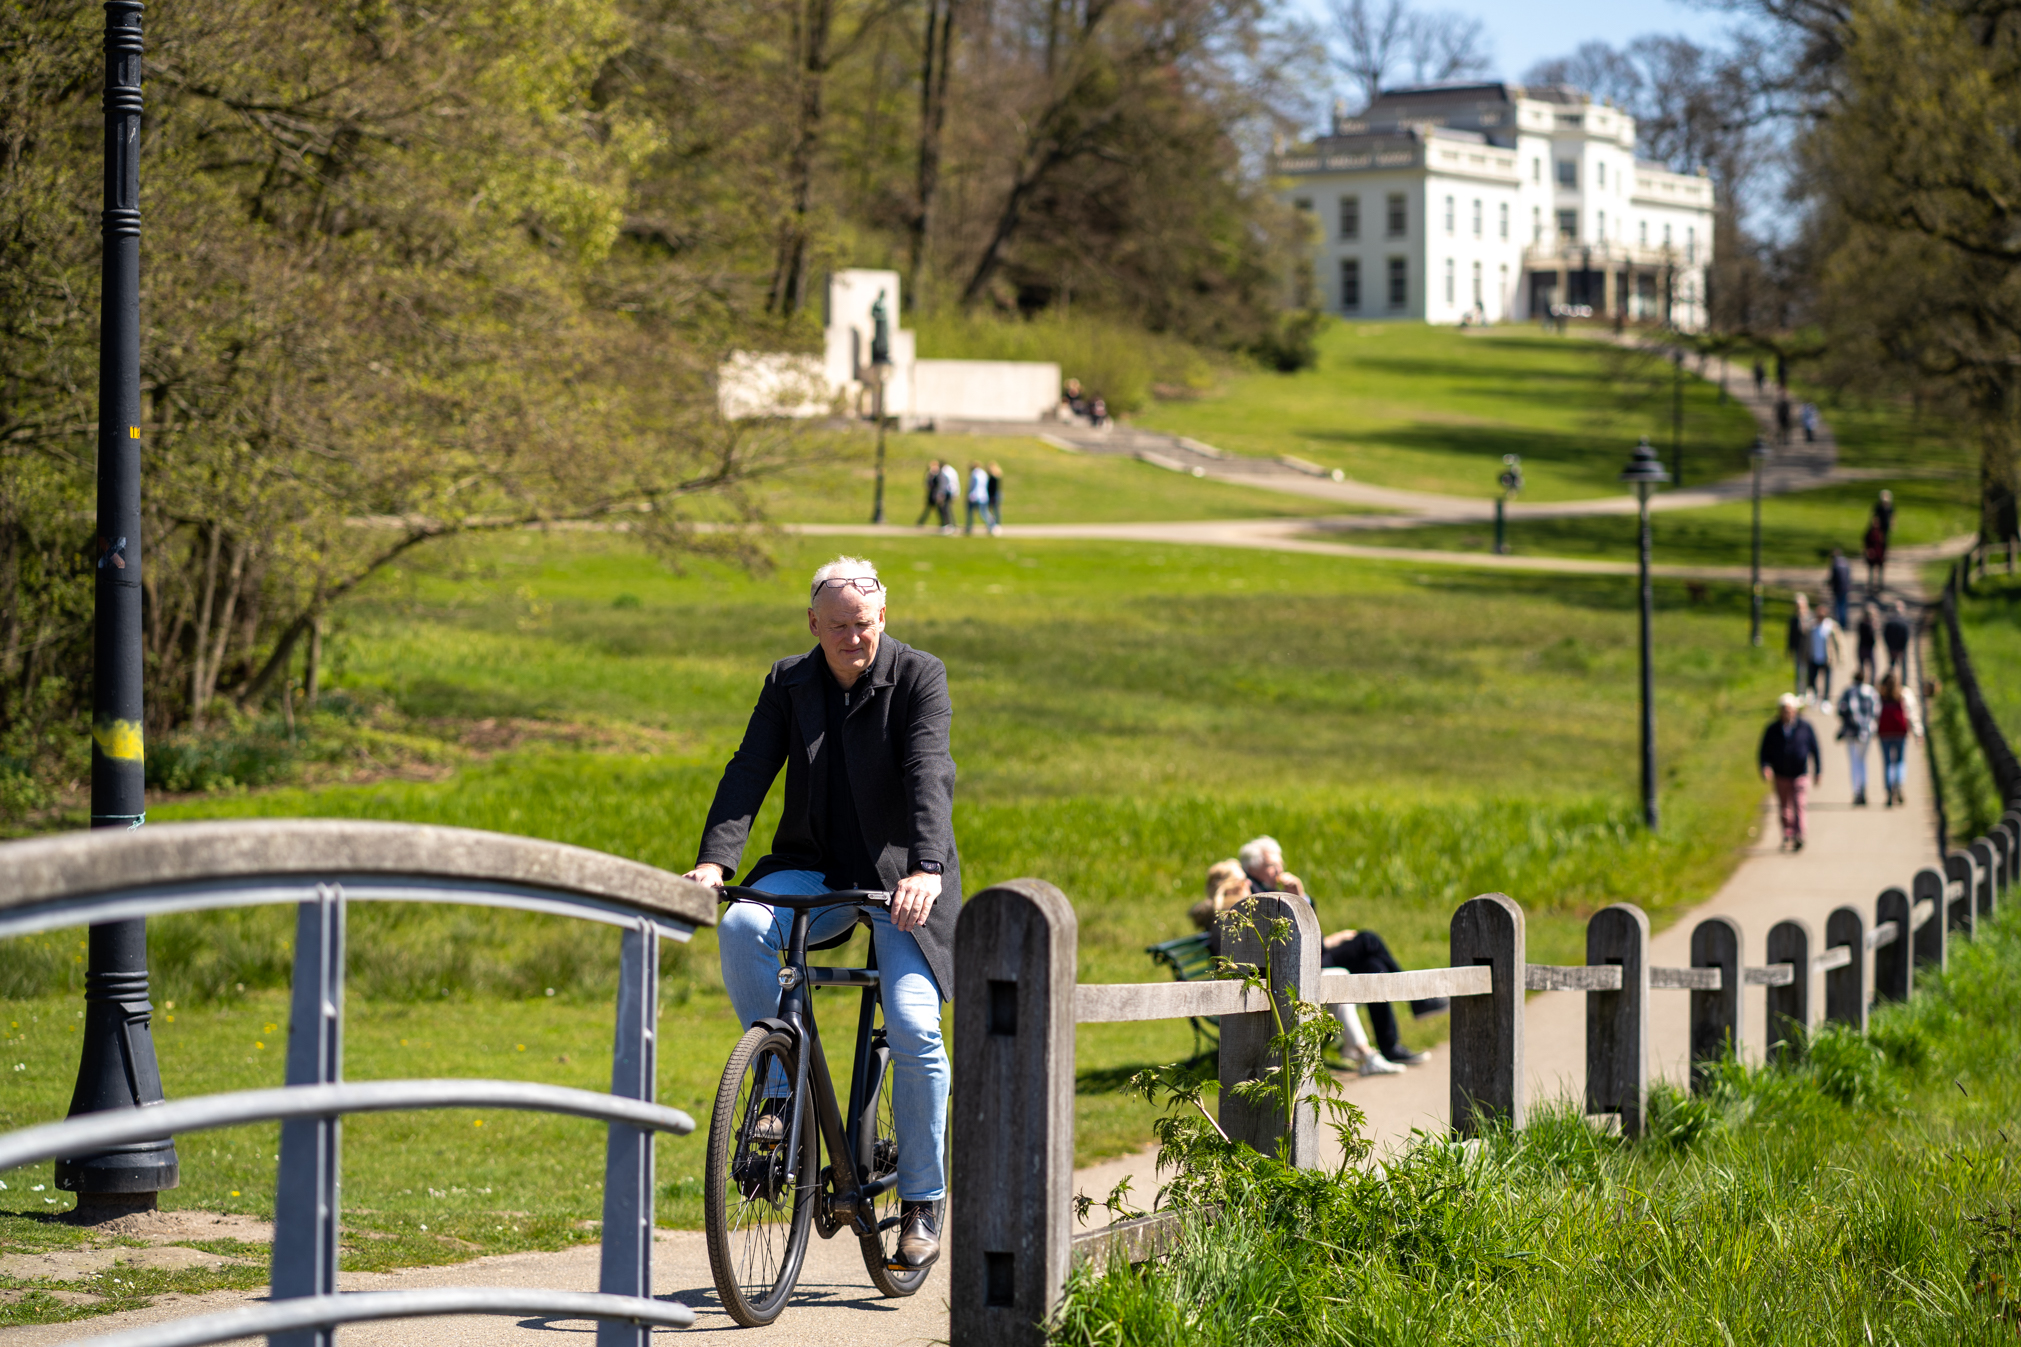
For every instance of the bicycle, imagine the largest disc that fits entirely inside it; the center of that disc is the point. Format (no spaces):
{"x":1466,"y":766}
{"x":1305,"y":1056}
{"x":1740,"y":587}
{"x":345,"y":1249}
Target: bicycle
{"x":776,"y":1112}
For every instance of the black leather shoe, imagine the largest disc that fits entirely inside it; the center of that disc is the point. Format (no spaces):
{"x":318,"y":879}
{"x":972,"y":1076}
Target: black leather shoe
{"x":768,"y":1128}
{"x":918,"y":1240}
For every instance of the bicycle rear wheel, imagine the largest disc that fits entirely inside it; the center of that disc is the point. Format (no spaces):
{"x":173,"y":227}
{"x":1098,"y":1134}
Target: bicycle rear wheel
{"x":881,"y":1140}
{"x":755,"y":1212}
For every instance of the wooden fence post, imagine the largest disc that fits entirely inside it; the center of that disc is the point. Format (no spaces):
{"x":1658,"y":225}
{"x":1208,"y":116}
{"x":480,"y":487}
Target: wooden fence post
{"x":1487,"y":1031}
{"x":1716,"y":942}
{"x":2011,"y":821}
{"x":1846,"y":988}
{"x":1933,"y":935}
{"x":1245,"y":1039}
{"x":1894,"y":976}
{"x":1959,"y":910}
{"x":1011,"y":1194}
{"x":2001,"y":835}
{"x":1986,"y":891}
{"x":1789,"y":1005}
{"x":1617,"y":1023}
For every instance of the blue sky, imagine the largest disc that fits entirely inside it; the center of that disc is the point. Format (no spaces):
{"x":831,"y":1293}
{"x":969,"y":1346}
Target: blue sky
{"x":1522,"y":31}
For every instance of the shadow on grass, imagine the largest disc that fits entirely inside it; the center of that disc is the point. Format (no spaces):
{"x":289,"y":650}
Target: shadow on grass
{"x":1112,"y":1079}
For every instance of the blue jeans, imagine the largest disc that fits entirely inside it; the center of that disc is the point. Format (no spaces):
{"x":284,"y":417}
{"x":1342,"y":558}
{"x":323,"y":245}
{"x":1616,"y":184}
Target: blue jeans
{"x":750,"y":939}
{"x":978,"y":507}
{"x":1891,"y":761}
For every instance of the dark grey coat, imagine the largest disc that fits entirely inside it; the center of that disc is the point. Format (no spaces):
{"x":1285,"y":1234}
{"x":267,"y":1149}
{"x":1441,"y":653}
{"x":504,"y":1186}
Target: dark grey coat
{"x":900,"y":772}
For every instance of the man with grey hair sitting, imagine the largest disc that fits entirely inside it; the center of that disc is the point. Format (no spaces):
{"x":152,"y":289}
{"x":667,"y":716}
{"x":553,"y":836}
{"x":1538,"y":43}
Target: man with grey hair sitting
{"x":1356,"y":951}
{"x":860,"y":723}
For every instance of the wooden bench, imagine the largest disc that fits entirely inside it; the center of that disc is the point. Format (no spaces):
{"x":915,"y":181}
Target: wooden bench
{"x":1191,"y":961}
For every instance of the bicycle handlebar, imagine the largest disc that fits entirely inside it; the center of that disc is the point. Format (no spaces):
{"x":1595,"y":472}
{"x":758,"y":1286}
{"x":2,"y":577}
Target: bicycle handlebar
{"x":736,"y":893}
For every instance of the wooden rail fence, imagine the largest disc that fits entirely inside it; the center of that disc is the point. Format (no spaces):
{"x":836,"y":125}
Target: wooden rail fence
{"x":1011,"y":1239}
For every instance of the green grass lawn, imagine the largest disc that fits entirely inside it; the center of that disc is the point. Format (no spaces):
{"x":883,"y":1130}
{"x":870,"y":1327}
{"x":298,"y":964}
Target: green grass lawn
{"x":1126,"y":715}
{"x":1796,"y":530}
{"x":1042,"y":485}
{"x":1432,"y":409}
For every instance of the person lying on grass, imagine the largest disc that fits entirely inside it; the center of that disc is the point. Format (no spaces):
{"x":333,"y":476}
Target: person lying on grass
{"x":1358,"y":952}
{"x":860,"y":723}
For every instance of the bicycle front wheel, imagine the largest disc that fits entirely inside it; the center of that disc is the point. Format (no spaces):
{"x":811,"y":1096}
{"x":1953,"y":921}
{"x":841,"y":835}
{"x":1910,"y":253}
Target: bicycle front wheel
{"x":760,"y":1188}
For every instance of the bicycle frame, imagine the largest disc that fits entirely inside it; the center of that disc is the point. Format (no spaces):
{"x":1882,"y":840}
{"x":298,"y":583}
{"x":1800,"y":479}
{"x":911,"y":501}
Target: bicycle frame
{"x":842,"y":1136}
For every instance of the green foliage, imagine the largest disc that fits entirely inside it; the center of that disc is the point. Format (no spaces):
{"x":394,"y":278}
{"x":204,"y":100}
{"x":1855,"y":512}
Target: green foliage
{"x":1848,"y":1197}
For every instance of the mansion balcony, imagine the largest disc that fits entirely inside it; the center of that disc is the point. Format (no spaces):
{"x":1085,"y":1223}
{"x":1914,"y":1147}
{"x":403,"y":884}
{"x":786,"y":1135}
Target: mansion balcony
{"x":1569,"y":254}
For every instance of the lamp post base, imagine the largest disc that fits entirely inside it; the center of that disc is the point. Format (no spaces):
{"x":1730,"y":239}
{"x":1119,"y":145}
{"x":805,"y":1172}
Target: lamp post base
{"x":117,"y":1070}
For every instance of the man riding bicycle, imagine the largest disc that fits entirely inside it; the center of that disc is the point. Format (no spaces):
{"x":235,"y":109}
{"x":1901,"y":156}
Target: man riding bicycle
{"x":861,"y":725}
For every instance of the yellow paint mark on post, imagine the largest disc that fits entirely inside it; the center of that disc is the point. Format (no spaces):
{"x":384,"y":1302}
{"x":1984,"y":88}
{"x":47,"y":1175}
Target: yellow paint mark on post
{"x":133,"y":432}
{"x":119,"y":739}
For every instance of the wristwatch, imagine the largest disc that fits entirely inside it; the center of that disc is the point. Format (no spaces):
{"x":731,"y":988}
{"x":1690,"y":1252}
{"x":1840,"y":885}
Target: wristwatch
{"x":929,"y":868}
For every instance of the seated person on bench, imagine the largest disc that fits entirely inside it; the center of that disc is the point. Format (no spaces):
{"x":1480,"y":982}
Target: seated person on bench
{"x":1356,"y":951}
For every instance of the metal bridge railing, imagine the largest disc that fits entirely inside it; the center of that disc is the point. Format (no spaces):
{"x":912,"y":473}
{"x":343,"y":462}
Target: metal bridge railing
{"x":321,"y":866}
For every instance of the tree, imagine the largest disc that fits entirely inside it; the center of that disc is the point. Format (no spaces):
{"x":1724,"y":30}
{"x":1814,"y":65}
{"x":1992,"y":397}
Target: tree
{"x":1375,"y":39}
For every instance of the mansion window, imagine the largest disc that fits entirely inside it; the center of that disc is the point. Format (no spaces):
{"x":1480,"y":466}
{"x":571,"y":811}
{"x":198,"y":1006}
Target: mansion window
{"x":1399,"y":282}
{"x":1477,"y":217}
{"x":1568,"y":173}
{"x":1477,"y":285}
{"x":1600,"y":173}
{"x":1644,"y":236}
{"x":1536,"y":170}
{"x":1396,"y":215}
{"x":1449,"y":280}
{"x":1536,"y":224}
{"x":1350,"y":218}
{"x":1350,"y":283}
{"x":1600,"y":227}
{"x":1505,"y":219}
{"x":1568,"y":224}
{"x":1666,"y":236}
{"x":1449,"y":215}
{"x":1690,"y":245}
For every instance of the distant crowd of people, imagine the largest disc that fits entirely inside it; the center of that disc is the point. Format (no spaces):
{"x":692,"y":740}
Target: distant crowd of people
{"x":1259,"y":868}
{"x":1871,"y":706}
{"x":984,"y":496}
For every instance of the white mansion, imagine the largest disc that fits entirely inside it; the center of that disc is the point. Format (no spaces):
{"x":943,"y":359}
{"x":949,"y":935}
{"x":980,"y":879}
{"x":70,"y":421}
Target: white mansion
{"x":1497,"y":201}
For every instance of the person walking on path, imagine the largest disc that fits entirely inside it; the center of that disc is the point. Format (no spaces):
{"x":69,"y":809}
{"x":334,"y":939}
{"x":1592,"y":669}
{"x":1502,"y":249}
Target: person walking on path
{"x":1798,"y":642}
{"x":1875,"y":548}
{"x":1884,"y":513}
{"x":1807,"y":418}
{"x":1790,"y":762}
{"x":1839,"y":579}
{"x":1896,"y":721}
{"x":1824,"y":657}
{"x":1869,"y":638}
{"x":1859,"y":713}
{"x":995,"y":497}
{"x":1782,"y":420}
{"x":978,"y":500}
{"x":932,"y":492}
{"x":1895,"y":633}
{"x":950,"y":490}
{"x":860,"y":723}
{"x":1760,"y":379}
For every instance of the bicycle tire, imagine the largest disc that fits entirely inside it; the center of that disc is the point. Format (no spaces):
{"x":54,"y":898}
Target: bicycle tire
{"x":881,"y":1248}
{"x":756,"y":1217}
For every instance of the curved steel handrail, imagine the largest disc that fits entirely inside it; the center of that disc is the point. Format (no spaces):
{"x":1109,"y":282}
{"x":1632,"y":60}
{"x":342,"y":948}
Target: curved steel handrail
{"x":46,"y":881}
{"x":279,"y":1316}
{"x":89,"y":1132}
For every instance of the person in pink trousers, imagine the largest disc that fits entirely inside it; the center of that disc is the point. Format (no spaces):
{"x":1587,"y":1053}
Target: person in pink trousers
{"x":1790,"y":761}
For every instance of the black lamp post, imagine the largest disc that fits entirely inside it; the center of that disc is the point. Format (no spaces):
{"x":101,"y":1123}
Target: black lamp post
{"x":1677,"y":414}
{"x":116,"y":1068}
{"x":1511,"y":481}
{"x":1758,"y":456}
{"x":880,"y":367}
{"x":1645,"y":472}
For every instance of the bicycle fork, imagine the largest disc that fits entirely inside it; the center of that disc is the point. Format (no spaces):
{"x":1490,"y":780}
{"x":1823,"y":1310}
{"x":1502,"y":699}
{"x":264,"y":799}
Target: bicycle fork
{"x":795,"y":1007}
